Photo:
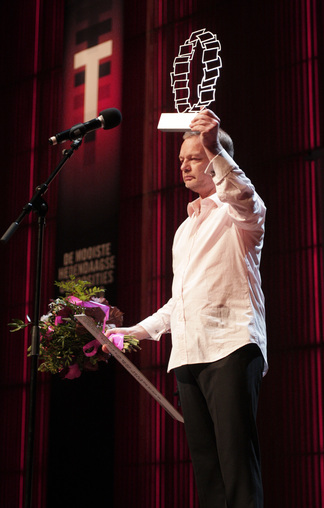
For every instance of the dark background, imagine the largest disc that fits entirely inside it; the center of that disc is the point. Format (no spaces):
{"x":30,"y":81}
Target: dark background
{"x":101,"y":441}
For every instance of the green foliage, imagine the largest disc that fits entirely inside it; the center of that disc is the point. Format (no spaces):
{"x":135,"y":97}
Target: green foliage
{"x":62,"y":342}
{"x":62,"y":337}
{"x":17,"y":325}
{"x":80,"y":289}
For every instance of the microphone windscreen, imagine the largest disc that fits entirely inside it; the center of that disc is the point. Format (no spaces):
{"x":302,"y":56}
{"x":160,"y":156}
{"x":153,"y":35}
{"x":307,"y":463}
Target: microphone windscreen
{"x":112,"y":117}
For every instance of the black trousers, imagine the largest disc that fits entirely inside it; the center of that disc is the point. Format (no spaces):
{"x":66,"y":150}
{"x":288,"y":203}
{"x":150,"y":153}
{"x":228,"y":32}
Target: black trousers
{"x":219,"y":403}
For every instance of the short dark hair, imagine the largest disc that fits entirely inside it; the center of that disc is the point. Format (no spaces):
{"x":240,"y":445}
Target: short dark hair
{"x":224,"y":139}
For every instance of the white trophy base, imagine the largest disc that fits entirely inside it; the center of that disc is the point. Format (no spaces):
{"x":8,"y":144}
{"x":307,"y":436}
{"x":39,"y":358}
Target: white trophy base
{"x":176,"y":122}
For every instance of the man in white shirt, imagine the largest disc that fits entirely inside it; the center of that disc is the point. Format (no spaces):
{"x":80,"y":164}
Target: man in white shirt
{"x":216,"y":318}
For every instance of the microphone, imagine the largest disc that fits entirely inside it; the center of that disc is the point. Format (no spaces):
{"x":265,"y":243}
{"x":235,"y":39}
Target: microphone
{"x":107,"y":119}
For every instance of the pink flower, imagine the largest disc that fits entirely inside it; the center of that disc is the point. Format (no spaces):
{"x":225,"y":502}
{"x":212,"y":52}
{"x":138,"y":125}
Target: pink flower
{"x":48,"y":332}
{"x":73,"y":372}
{"x":58,"y":320}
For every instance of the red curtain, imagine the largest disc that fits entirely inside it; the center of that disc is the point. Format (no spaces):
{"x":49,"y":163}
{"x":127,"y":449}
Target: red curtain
{"x":294,"y":263}
{"x":270,"y":98}
{"x":31,"y":42}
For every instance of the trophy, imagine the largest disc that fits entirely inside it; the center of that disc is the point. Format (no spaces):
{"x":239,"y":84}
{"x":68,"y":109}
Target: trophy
{"x":211,"y":64}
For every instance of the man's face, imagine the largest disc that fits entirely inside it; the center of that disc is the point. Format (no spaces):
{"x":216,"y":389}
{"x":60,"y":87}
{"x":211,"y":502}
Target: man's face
{"x":194,"y":161}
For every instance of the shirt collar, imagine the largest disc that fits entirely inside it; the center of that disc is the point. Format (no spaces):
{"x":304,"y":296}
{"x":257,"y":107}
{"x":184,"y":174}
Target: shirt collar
{"x":194,"y":208}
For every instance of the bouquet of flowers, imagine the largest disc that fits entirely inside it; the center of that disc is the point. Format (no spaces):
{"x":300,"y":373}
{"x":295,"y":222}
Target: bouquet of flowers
{"x":66,"y":347}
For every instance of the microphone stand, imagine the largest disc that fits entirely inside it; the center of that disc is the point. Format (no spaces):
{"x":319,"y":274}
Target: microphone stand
{"x":38,"y":205}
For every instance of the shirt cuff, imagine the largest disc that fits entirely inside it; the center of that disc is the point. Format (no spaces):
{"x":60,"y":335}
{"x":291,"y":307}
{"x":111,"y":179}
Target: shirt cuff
{"x":221,"y":166}
{"x":154,"y":327}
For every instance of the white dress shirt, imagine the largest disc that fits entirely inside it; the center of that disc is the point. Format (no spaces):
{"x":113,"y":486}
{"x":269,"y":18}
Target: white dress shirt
{"x":217,"y":304}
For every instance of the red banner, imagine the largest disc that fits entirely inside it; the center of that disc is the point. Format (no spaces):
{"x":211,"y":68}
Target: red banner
{"x":88,"y":193}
